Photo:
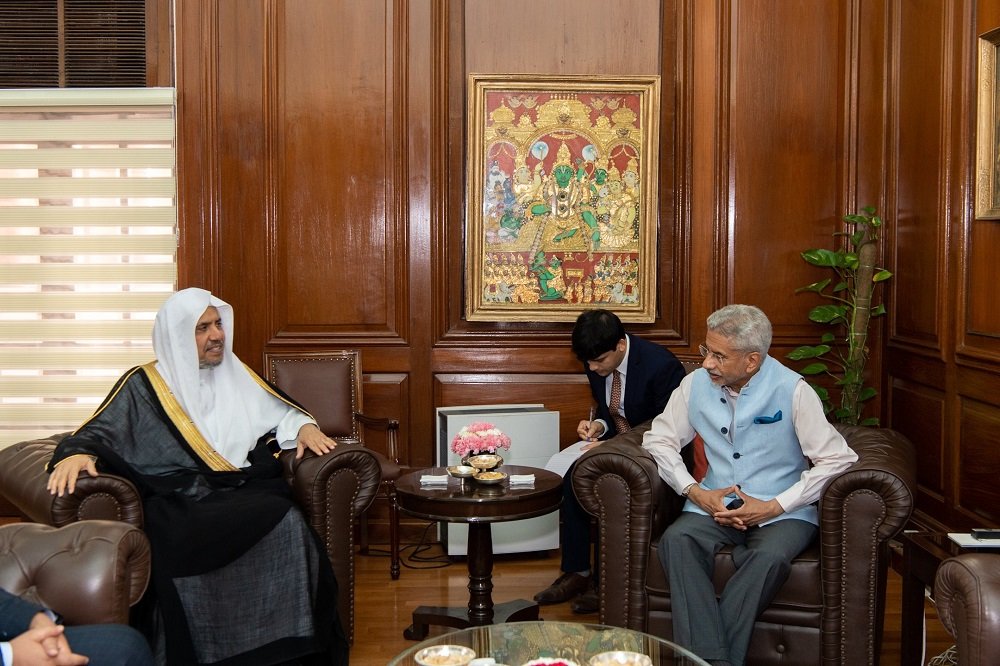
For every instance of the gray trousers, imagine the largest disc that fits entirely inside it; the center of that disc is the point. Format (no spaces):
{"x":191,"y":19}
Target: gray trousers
{"x":720,"y":629}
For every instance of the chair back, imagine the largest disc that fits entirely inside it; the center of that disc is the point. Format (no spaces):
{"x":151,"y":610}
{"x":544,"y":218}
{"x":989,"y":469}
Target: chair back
{"x":327,"y":384}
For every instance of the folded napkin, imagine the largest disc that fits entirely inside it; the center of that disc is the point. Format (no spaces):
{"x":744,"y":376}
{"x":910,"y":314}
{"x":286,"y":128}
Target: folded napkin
{"x":433,"y":480}
{"x":521,"y":479}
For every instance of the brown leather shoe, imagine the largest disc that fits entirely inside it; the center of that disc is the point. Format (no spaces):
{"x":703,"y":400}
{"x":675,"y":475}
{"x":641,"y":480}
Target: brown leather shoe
{"x":563,"y":589}
{"x":588,"y":602}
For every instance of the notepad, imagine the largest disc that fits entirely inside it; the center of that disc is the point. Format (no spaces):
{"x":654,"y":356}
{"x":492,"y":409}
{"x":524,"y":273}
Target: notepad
{"x":522,"y":479}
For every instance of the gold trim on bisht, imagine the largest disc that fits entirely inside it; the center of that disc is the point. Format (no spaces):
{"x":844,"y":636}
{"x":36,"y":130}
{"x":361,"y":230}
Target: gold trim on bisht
{"x":184,"y":424}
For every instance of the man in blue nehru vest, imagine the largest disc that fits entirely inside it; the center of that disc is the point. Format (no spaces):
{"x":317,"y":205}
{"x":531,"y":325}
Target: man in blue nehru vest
{"x":630,"y":381}
{"x":770,"y":452}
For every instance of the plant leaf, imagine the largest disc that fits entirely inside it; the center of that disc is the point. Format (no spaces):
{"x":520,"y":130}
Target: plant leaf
{"x":878,"y":310}
{"x":867,"y":393}
{"x":821,"y":257}
{"x":814,"y":369}
{"x":881,"y":275}
{"x":841,"y":286}
{"x":824,"y":314}
{"x":815,"y":286}
{"x":806,"y":351}
{"x":870,"y":421}
{"x":827,"y":337}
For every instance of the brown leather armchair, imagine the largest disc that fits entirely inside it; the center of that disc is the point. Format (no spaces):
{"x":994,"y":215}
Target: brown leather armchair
{"x":332,"y":491}
{"x":831,"y":608}
{"x":967,"y":593}
{"x":90,"y":572}
{"x":328,"y":384}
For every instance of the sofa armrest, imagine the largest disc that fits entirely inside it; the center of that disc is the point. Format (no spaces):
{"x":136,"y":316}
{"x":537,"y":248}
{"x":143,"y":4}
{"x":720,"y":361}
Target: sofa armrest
{"x":333,"y":490}
{"x":862,"y":508}
{"x":90,"y":572}
{"x":618,"y":483}
{"x":23,"y":482}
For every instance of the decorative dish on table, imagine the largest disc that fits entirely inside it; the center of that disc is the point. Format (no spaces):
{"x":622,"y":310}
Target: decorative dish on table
{"x":620,"y":658}
{"x":490,"y":477}
{"x":445,"y":655}
{"x":550,"y":661}
{"x":462,"y":471}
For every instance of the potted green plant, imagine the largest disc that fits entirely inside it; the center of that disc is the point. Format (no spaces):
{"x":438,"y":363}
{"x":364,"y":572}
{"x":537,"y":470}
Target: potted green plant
{"x":847,"y":311}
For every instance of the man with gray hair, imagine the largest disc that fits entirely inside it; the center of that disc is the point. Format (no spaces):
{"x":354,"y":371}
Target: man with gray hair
{"x":770,"y":453}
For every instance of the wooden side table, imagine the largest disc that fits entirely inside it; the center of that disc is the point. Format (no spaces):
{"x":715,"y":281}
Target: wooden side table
{"x":923,"y":553}
{"x":480,"y":506}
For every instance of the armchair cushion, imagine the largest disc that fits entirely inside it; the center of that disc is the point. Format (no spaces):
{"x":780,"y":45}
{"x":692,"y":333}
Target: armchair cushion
{"x":90,"y":572}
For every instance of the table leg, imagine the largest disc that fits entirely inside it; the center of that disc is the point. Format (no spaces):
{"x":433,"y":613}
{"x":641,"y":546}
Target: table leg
{"x":911,"y":629}
{"x":480,"y":552}
{"x":919,"y":567}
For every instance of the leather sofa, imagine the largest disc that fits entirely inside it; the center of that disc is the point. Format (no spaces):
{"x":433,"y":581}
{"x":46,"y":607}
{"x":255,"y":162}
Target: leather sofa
{"x":332,"y":490}
{"x":90,"y":572}
{"x":967,"y":594}
{"x":831,"y":608}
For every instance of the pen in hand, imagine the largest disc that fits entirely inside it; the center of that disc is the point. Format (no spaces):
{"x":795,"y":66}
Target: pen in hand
{"x":590,"y":422}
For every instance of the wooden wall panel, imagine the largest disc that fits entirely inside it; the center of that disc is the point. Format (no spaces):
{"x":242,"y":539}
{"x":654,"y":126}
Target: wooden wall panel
{"x":924,"y":425}
{"x":921,"y":146}
{"x":977,"y":494}
{"x":336,"y":229}
{"x":786,"y":124}
{"x":982,"y":325}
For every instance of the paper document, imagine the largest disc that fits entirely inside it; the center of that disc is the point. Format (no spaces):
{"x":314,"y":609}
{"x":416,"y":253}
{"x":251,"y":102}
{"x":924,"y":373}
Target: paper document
{"x":561,"y":462}
{"x":966,"y":540}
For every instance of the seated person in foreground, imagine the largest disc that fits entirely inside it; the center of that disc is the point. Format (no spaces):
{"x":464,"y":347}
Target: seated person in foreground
{"x":770,"y":452}
{"x":630,"y":381}
{"x":31,"y":637}
{"x":238,"y":575}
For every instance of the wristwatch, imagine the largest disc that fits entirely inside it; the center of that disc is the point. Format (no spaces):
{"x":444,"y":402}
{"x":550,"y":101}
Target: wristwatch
{"x":687,"y":489}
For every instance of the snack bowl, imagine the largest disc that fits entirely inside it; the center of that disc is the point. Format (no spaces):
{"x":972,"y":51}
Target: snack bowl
{"x":445,"y":655}
{"x":550,"y":661}
{"x":620,"y":658}
{"x":462,"y":471}
{"x":485,"y":461}
{"x":490,"y":477}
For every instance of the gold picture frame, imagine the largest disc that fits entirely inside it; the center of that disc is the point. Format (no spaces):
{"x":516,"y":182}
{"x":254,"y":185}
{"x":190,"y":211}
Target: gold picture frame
{"x":988,"y":132}
{"x":561,"y":196}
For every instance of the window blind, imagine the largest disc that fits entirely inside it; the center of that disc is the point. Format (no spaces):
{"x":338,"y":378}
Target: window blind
{"x":87,"y":247}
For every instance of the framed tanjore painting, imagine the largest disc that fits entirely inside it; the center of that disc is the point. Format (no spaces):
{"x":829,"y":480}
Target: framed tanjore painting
{"x":561,"y":198}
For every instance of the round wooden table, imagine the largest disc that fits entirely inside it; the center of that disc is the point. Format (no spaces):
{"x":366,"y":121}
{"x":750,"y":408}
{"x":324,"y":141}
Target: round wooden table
{"x":479,"y":505}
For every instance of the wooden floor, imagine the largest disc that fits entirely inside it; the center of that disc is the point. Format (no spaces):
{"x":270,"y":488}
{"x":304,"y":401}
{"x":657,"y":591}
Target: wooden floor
{"x":383,"y":606}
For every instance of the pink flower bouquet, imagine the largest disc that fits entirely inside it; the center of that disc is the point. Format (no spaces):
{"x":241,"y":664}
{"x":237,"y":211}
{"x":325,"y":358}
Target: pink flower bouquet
{"x":479,"y":438}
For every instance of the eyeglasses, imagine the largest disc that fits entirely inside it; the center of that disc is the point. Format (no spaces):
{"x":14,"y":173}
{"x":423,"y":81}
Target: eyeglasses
{"x":716,"y":356}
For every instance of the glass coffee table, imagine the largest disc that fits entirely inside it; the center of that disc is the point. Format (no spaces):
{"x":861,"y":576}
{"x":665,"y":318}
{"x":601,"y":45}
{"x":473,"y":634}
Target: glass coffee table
{"x":517,"y":643}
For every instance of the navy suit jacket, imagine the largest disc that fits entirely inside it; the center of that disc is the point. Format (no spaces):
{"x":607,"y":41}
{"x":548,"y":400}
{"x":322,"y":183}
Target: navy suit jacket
{"x":652,"y":374}
{"x":15,"y":616}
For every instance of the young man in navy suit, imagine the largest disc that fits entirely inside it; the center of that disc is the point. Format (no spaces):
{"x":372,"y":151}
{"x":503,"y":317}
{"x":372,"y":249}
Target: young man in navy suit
{"x":631,"y":380}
